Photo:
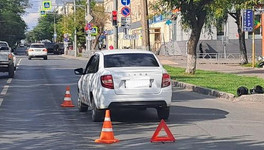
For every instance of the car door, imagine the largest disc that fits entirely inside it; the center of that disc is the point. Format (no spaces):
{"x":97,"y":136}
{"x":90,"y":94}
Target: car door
{"x":91,"y":69}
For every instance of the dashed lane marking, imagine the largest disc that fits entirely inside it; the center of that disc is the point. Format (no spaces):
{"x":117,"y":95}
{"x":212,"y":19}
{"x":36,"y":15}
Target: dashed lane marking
{"x":9,"y":81}
{"x":1,"y":100}
{"x":19,"y":62}
{"x":4,"y":91}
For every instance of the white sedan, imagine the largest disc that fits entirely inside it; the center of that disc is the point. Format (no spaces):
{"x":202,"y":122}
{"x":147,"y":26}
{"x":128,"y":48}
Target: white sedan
{"x":37,"y":50}
{"x":115,"y":79}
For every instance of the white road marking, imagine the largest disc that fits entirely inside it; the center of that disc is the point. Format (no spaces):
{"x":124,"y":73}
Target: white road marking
{"x":4,"y":91}
{"x":9,"y":81}
{"x":1,"y":100}
{"x":19,"y":62}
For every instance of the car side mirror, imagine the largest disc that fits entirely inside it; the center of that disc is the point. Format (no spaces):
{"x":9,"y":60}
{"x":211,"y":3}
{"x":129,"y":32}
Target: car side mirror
{"x":78,"y":71}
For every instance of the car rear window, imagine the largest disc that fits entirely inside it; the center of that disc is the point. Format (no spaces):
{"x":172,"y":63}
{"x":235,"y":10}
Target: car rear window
{"x":3,"y":45}
{"x":37,"y":46}
{"x":130,"y":60}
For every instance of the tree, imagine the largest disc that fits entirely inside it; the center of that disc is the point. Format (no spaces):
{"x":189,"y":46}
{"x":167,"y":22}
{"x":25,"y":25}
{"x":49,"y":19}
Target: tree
{"x":237,"y":6}
{"x":45,"y":28}
{"x":12,"y":25}
{"x":99,"y":19}
{"x":195,"y":13}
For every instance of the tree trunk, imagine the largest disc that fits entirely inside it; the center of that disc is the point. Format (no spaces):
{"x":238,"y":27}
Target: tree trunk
{"x":191,"y":50}
{"x":242,"y":43}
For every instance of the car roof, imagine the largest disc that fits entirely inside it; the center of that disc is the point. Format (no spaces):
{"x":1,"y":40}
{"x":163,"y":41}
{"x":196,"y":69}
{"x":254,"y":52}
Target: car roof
{"x":122,"y":51}
{"x":3,"y":42}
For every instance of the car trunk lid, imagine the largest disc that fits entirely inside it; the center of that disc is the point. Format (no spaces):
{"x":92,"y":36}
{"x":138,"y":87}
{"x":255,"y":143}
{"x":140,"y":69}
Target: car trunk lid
{"x":4,"y":55}
{"x":137,"y":80}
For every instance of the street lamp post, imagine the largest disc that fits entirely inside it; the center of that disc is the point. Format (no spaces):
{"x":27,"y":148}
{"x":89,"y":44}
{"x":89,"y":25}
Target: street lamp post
{"x":75,"y":34}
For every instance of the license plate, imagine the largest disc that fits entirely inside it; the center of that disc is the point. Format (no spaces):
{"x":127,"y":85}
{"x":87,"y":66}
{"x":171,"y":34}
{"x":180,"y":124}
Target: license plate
{"x":137,"y":83}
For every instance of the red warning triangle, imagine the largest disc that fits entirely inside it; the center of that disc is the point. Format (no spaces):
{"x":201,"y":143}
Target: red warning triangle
{"x":168,"y":138}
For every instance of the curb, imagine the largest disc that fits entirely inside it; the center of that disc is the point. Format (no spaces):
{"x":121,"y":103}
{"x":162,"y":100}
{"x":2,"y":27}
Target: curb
{"x":203,"y":90}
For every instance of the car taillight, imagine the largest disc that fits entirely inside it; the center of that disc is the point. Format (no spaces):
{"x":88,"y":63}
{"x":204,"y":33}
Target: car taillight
{"x":30,"y":50}
{"x":165,"y":80}
{"x":10,"y":56}
{"x":107,"y":81}
{"x":45,"y":50}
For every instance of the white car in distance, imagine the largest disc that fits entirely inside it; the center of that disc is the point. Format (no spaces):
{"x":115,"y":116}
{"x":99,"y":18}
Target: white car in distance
{"x":37,"y":50}
{"x":115,"y":79}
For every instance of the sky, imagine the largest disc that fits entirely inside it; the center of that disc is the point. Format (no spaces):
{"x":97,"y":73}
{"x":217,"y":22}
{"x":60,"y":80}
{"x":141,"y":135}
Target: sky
{"x":33,"y":13}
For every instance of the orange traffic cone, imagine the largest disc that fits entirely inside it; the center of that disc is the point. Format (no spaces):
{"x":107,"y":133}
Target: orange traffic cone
{"x":107,"y":134}
{"x":67,"y":98}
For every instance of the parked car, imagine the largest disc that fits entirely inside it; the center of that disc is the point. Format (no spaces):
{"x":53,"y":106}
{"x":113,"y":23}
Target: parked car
{"x":50,"y":46}
{"x":114,"y":79}
{"x":7,"y":59}
{"x":37,"y":50}
{"x":59,"y":48}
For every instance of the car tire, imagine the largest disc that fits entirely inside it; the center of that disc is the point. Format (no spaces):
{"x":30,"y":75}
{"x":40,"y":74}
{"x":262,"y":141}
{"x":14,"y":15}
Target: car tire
{"x":163,"y":112}
{"x":45,"y":58}
{"x":29,"y":58}
{"x":11,"y":70}
{"x":97,"y":115}
{"x":81,"y":106}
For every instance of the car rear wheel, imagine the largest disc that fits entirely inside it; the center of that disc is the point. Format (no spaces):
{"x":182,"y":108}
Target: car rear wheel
{"x":97,"y":114}
{"x":45,"y":58}
{"x":163,"y":112}
{"x":29,"y":58}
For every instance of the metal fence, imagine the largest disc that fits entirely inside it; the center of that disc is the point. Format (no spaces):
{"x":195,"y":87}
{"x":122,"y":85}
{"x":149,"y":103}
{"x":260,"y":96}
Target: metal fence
{"x":220,"y":57}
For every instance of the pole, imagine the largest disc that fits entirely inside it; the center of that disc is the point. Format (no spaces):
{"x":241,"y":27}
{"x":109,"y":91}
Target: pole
{"x":253,"y":42}
{"x":75,"y":35}
{"x":55,"y":34}
{"x":88,"y":43}
{"x":145,"y":25}
{"x":116,"y":27}
{"x":262,"y":29}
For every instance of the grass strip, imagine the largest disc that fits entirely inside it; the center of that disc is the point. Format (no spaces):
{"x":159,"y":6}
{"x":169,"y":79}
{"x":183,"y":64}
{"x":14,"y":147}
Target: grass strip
{"x":224,"y":82}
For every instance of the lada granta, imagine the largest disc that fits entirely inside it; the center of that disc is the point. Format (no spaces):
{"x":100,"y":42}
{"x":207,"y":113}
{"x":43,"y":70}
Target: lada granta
{"x":114,"y":79}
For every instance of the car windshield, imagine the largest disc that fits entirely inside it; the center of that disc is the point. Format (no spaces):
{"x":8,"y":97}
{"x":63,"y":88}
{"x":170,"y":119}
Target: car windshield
{"x":37,"y":46}
{"x":130,"y":60}
{"x":3,"y":46}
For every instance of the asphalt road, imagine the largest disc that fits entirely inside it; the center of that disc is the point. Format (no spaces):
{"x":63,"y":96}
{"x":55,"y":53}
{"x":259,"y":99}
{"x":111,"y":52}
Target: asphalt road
{"x":31,"y":116}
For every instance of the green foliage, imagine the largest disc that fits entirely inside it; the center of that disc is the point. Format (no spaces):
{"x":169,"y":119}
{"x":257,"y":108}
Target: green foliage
{"x":44,"y":29}
{"x":208,"y":79}
{"x":12,"y":25}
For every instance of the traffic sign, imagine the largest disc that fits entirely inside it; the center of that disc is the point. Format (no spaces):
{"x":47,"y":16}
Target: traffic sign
{"x":43,"y":13}
{"x":248,"y":23}
{"x":88,"y":18}
{"x":94,"y":31}
{"x":46,"y":5}
{"x":125,"y":21}
{"x":89,"y":37}
{"x":125,"y":2}
{"x":130,"y":37}
{"x":125,"y":11}
{"x":88,"y":26}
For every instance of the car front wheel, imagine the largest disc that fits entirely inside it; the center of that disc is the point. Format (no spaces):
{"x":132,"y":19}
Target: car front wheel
{"x":163,"y":112}
{"x":81,"y":106}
